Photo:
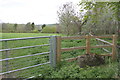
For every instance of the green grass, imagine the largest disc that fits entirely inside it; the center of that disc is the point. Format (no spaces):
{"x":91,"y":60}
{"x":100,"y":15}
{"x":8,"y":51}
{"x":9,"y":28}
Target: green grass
{"x":67,"y":70}
{"x":72,"y":70}
{"x":19,"y":35}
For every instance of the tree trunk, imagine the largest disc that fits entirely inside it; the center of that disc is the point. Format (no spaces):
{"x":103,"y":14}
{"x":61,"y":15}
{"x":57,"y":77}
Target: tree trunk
{"x":119,"y":37}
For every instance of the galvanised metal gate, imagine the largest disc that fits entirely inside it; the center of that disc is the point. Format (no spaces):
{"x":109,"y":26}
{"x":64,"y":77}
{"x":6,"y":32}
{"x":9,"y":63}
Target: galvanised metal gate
{"x":15,"y":61}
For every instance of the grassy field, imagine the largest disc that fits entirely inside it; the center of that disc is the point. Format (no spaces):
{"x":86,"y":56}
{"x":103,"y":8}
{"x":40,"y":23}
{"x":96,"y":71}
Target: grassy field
{"x":67,"y":70}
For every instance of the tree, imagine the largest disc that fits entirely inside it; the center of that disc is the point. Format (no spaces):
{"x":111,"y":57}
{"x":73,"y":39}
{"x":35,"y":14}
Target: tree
{"x":70,"y":20}
{"x":15,"y":27}
{"x":43,"y":26}
{"x":33,"y":25}
{"x":101,"y":17}
{"x":28,"y":27}
{"x":4,"y":27}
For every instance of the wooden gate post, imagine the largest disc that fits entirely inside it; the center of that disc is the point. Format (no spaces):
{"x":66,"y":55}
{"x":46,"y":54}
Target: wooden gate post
{"x":58,"y":50}
{"x":55,"y":50}
{"x":114,"y":47}
{"x":87,"y":44}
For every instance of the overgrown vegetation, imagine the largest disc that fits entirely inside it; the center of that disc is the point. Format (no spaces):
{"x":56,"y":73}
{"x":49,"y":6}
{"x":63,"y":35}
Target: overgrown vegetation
{"x":72,"y":70}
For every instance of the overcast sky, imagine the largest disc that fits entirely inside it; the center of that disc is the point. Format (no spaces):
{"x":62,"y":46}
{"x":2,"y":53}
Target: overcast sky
{"x":37,"y":11}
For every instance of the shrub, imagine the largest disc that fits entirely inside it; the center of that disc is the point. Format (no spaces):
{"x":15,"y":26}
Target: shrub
{"x":48,"y":29}
{"x":35,"y":31}
{"x":71,"y":70}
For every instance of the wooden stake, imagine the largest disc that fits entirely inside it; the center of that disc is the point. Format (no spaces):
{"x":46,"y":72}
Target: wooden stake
{"x":58,"y":49}
{"x":87,"y":44}
{"x":114,"y":47}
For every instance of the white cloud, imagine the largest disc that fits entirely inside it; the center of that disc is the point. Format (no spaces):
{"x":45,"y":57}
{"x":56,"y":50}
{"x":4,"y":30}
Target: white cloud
{"x":23,"y":11}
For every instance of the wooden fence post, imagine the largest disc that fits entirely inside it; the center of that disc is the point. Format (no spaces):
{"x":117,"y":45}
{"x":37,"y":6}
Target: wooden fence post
{"x":87,"y":44}
{"x":114,"y":47}
{"x":58,"y":50}
{"x":55,"y":50}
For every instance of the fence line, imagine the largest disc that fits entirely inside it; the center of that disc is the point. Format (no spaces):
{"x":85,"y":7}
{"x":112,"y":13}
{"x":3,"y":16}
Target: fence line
{"x":113,"y":44}
{"x":73,"y":37}
{"x":72,"y":48}
{"x":56,"y":49}
{"x":101,"y":41}
{"x":88,"y":46}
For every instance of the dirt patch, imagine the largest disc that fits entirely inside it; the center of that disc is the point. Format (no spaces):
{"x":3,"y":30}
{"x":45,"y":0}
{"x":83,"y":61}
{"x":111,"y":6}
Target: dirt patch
{"x":90,"y":60}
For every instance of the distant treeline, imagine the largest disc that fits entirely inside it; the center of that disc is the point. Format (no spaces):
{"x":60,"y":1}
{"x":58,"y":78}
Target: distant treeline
{"x":10,"y":28}
{"x":28,"y":28}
